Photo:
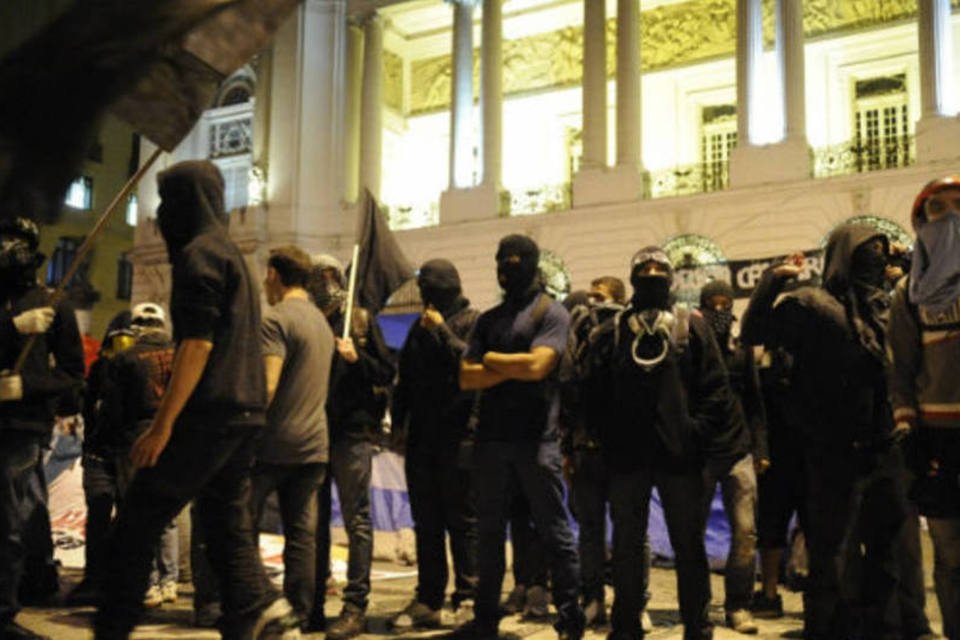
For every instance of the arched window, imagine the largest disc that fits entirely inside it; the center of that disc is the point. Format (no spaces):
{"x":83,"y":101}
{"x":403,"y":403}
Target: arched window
{"x":238,"y":88}
{"x":696,"y":260}
{"x":889,"y":228}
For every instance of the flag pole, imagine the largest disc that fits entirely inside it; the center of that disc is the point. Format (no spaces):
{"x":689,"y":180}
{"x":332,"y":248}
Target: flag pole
{"x":351,"y":291}
{"x":85,"y":249}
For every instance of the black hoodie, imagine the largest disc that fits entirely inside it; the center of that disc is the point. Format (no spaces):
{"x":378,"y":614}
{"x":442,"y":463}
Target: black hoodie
{"x":213,"y":297}
{"x":837,"y":387}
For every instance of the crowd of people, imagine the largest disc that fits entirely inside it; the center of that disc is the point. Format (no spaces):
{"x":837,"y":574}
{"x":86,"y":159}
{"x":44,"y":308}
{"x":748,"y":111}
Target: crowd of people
{"x":837,"y":402}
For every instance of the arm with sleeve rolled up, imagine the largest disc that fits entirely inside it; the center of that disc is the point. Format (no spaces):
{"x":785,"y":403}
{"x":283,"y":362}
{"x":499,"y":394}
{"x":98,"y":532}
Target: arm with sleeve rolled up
{"x":189,"y":363}
{"x":904,"y":350}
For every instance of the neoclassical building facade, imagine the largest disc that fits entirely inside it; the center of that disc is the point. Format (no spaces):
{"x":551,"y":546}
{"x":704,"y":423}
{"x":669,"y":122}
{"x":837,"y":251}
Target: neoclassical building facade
{"x":730,"y":130}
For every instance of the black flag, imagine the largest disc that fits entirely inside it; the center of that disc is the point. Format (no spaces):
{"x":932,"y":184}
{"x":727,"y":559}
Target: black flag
{"x":158,"y":63}
{"x":381,"y":266}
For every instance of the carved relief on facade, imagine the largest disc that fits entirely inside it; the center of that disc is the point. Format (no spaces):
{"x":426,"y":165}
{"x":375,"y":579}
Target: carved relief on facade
{"x":392,"y":81}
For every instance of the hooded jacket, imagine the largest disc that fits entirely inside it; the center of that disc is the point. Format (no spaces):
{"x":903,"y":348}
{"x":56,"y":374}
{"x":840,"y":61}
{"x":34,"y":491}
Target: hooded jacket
{"x":428,"y":405}
{"x":213,"y":297}
{"x":837,"y":386}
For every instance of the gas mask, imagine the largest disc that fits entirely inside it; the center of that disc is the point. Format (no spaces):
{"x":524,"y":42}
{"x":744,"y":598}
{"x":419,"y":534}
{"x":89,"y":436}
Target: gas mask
{"x":18,"y":263}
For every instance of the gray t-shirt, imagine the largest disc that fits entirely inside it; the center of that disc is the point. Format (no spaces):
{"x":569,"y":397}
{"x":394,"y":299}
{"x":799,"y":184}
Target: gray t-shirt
{"x":297,"y":433}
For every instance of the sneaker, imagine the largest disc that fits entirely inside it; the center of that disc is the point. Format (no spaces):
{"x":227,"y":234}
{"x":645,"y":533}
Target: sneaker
{"x":742,"y":621}
{"x":13,"y":631}
{"x":277,"y":622}
{"x":595,"y":613}
{"x":538,"y":603}
{"x":153,"y":598}
{"x":351,"y":623}
{"x":474,"y":630}
{"x":463,"y":613}
{"x":515,"y":601}
{"x":169,"y":591}
{"x":646,"y":622}
{"x":206,"y":616}
{"x":767,"y":608}
{"x":416,"y":616}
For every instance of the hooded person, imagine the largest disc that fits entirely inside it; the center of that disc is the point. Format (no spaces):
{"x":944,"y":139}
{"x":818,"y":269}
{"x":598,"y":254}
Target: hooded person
{"x":29,"y":402}
{"x":924,"y":319}
{"x":431,"y":414}
{"x":852,"y":469}
{"x":199,"y":444}
{"x":512,"y":356}
{"x":664,"y":390}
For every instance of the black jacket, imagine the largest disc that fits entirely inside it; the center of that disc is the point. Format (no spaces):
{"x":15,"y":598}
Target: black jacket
{"x":53,"y":373}
{"x":749,"y":433}
{"x":665,"y":416}
{"x":143,"y":373}
{"x":429,"y":408}
{"x":837,"y":384}
{"x":213,"y":297}
{"x":359,"y":391}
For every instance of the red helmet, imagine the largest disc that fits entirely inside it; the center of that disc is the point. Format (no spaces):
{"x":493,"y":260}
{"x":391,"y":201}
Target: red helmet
{"x":918,"y":215}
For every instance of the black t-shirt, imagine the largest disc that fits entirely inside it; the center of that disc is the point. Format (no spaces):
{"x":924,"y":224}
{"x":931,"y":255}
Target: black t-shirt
{"x":515,"y":410}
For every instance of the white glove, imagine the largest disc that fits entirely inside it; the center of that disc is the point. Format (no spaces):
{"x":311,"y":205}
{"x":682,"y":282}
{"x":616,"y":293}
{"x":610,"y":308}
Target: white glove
{"x":11,"y":387}
{"x":34,"y":321}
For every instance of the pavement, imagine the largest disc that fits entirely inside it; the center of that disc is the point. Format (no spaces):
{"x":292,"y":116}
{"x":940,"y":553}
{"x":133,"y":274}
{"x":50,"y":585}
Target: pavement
{"x":393,"y":586}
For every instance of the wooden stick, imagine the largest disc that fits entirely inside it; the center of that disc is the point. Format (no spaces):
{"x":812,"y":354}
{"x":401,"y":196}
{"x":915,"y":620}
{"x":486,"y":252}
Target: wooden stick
{"x":351,"y":291}
{"x":85,"y":249}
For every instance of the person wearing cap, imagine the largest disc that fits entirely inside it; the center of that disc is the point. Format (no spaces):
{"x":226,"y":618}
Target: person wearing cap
{"x":430,"y":417}
{"x":922,"y":339}
{"x":666,"y":390}
{"x":734,"y":456}
{"x":49,"y":384}
{"x":855,"y":497}
{"x":360,"y":378}
{"x":512,"y":355}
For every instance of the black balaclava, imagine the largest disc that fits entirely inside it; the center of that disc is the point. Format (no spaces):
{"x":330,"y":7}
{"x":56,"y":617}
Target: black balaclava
{"x":518,"y":279}
{"x":191,"y":201}
{"x":19,"y":258}
{"x":720,"y":320}
{"x":650,"y":292}
{"x":439,"y":285}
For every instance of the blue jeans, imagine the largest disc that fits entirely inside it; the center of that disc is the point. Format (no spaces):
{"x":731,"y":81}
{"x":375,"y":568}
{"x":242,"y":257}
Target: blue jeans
{"x":351,"y":462}
{"x":534,"y":469}
{"x":18,"y":459}
{"x":165,"y":567}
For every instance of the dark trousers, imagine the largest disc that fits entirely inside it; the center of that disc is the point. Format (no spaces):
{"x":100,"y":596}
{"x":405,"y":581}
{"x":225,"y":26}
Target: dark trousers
{"x":681,"y":496}
{"x":19,"y":454}
{"x":211,"y":463}
{"x":322,"y":567}
{"x":296,"y":486}
{"x":529,"y":556}
{"x":945,"y":534}
{"x":351,"y":462}
{"x":40,"y":575}
{"x":101,"y":495}
{"x":590,"y":488}
{"x":853,"y":501}
{"x":534,"y":468}
{"x":912,"y":592}
{"x":441,"y":501}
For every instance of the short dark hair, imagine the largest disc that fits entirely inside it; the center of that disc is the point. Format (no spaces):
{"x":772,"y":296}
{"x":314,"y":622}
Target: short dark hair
{"x":614,"y":284}
{"x":292,"y":264}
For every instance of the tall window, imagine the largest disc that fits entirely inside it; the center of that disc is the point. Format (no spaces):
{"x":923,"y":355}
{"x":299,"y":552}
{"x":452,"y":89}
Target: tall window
{"x":124,"y":277}
{"x":881,"y":123}
{"x":718,"y":135}
{"x":63,"y":256}
{"x":80,"y":193}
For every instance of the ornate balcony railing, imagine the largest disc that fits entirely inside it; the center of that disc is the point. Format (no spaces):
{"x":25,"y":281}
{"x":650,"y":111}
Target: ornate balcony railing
{"x":555,"y":197}
{"x":852,"y":157}
{"x":689,"y":179}
{"x":413,"y":215}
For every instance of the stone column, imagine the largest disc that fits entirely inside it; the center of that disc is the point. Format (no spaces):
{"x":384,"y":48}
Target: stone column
{"x":491,"y":92}
{"x":594,"y":86}
{"x":461,"y":96}
{"x":938,"y":129}
{"x":749,"y":48}
{"x":628,"y":85}
{"x":790,"y":15}
{"x":351,"y":119}
{"x":371,"y":110}
{"x":306,"y":108}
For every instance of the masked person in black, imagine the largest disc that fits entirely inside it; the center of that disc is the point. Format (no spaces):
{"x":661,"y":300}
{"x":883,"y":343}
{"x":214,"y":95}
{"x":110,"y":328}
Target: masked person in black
{"x":512,"y":355}
{"x":49,"y":384}
{"x":665,"y":387}
{"x":200,"y":443}
{"x":835,"y":336}
{"x":360,"y":379}
{"x":734,"y":455}
{"x":431,"y":414}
